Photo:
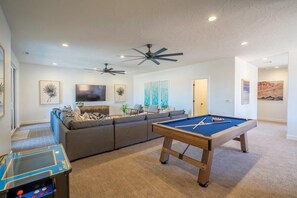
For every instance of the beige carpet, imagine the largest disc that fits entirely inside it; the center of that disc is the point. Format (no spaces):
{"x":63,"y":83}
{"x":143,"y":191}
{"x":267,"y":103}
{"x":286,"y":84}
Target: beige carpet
{"x":20,"y":135}
{"x":268,"y":170}
{"x":38,"y":135}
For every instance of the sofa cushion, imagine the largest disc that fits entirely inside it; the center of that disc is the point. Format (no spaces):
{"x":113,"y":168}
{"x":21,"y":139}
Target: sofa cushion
{"x":153,"y":109}
{"x":90,"y":123}
{"x":67,"y":121}
{"x":157,"y":115}
{"x":129,"y":119}
{"x":178,"y":112}
{"x":65,"y":114}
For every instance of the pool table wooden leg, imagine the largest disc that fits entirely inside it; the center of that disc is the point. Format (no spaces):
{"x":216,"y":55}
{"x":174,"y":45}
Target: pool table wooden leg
{"x":166,"y":144}
{"x":244,"y":142}
{"x":203,"y":176}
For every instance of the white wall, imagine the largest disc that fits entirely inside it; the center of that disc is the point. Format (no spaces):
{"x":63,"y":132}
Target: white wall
{"x":245,"y":71}
{"x":274,"y":110}
{"x":221,"y":85}
{"x":5,"y":42}
{"x":32,"y":112}
{"x":292,"y":96}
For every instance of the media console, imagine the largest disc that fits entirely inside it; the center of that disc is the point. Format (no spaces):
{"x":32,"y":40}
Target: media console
{"x":103,"y":109}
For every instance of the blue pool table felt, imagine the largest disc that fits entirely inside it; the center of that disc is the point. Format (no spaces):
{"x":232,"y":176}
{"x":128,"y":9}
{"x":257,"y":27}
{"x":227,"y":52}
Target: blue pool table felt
{"x":206,"y":130}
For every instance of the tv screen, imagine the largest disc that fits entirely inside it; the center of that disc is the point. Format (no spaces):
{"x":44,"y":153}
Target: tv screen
{"x":90,"y":93}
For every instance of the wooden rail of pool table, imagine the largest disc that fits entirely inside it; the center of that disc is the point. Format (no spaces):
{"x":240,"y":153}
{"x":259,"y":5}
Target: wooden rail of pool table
{"x":185,"y":158}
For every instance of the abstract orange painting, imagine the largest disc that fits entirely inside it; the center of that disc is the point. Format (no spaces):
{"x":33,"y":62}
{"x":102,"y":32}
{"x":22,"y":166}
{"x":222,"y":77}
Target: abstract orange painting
{"x":271,"y":90}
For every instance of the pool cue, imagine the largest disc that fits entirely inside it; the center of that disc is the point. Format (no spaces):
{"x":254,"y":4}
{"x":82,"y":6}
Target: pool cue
{"x":223,"y":122}
{"x":188,"y":125}
{"x":208,"y":123}
{"x":199,"y":123}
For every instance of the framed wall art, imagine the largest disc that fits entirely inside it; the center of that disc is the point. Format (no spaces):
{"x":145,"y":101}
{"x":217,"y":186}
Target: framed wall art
{"x":49,"y":92}
{"x":245,"y":92}
{"x":156,"y":93}
{"x":271,"y":90}
{"x":120,"y":93}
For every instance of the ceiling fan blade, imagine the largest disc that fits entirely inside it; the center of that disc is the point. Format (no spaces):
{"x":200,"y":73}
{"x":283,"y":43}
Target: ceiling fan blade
{"x":91,"y":69}
{"x":155,"y":61}
{"x":109,"y":69}
{"x":133,"y":56}
{"x":174,"y":54}
{"x":139,"y":51}
{"x":111,"y":73}
{"x":166,"y":59}
{"x":118,"y":71}
{"x":159,"y":51}
{"x":133,"y":59}
{"x":141,"y":62}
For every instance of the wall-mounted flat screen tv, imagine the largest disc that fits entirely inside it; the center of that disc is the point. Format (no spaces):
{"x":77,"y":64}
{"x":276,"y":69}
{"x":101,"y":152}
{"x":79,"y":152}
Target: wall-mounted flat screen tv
{"x":86,"y":93}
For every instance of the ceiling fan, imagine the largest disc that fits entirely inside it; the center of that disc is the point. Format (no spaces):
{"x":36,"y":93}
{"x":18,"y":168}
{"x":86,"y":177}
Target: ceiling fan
{"x":108,"y":70}
{"x":153,"y":56}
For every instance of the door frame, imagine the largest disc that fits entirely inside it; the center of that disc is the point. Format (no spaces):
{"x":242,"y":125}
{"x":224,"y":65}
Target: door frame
{"x":208,"y":94}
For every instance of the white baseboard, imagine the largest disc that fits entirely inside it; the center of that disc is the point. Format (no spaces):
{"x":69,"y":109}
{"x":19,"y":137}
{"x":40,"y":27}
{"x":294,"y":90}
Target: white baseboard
{"x":272,"y":119}
{"x":34,"y":122}
{"x":13,"y":131}
{"x":292,"y":137}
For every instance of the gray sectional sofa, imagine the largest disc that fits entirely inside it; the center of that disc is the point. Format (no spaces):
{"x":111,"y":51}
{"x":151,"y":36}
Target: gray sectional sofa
{"x":130,"y":130}
{"x":85,"y":138}
{"x":157,"y":117}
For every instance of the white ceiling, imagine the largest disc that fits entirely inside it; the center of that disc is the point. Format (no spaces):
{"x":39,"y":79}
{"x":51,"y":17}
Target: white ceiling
{"x":280,"y":60}
{"x":101,"y":31}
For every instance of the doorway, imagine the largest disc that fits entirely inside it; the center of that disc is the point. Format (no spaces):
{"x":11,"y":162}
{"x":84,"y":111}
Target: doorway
{"x":200,"y":97}
{"x":13,"y":86}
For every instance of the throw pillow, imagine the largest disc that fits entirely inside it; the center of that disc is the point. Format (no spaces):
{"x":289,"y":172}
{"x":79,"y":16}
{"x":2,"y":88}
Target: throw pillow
{"x":86,"y":116}
{"x":67,"y":108}
{"x":77,"y":110}
{"x":165,"y":110}
{"x":77,"y":117}
{"x":92,"y":116}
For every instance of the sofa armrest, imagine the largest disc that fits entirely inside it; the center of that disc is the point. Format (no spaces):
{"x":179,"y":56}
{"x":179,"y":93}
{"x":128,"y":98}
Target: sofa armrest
{"x":62,"y":132}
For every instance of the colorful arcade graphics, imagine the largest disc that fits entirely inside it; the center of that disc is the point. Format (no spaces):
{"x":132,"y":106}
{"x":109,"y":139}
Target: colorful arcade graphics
{"x":41,"y":172}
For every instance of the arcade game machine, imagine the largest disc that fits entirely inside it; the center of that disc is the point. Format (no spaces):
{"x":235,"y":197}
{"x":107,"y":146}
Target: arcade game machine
{"x":42,"y":172}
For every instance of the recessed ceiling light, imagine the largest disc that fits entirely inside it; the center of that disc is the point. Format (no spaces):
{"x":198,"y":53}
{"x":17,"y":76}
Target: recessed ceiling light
{"x":212,"y":18}
{"x":244,"y":43}
{"x":265,"y":59}
{"x":54,"y":63}
{"x":65,"y":45}
{"x":122,"y":56}
{"x":276,"y":67}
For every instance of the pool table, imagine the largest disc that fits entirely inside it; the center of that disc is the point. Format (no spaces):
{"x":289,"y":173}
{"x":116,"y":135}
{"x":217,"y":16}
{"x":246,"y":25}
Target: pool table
{"x":206,"y":132}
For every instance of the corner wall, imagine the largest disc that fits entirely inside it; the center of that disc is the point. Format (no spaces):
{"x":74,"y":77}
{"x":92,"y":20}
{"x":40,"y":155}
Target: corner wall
{"x":246,"y":71}
{"x":292,"y":96}
{"x":221,"y":85}
{"x":5,"y":122}
{"x":274,"y":110}
{"x":31,"y":111}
